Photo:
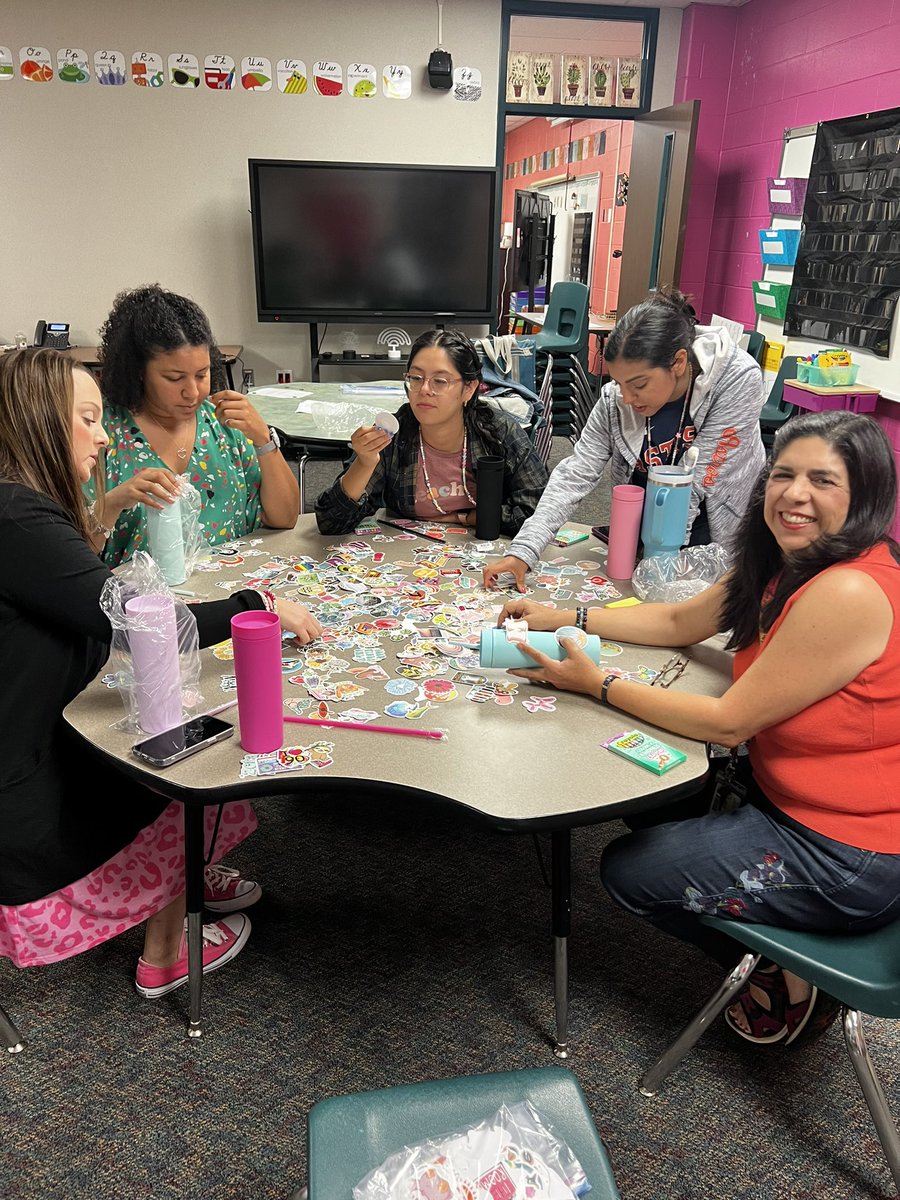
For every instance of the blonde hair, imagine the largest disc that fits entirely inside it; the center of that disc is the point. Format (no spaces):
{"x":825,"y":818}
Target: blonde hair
{"x":37,"y":396}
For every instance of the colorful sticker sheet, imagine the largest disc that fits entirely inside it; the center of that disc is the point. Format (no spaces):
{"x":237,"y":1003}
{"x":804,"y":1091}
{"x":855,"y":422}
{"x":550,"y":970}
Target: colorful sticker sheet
{"x":400,"y":638}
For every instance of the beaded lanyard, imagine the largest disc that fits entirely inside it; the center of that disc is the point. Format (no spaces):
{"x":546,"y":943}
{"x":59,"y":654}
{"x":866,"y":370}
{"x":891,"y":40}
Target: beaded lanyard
{"x":428,"y":488}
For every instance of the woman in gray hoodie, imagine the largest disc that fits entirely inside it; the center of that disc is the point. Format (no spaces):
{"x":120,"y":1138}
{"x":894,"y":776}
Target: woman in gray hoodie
{"x":675,"y":385}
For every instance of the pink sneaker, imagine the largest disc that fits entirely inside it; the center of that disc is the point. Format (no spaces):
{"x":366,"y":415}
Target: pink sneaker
{"x":226,"y":891}
{"x":222,"y":942}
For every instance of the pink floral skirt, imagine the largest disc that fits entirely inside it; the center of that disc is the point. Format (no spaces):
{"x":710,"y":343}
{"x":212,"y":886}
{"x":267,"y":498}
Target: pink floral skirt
{"x":127,"y":889}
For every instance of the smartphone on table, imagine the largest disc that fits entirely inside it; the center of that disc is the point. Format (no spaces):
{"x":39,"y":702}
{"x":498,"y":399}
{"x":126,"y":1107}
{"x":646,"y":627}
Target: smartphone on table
{"x":601,"y":533}
{"x":172,"y":745}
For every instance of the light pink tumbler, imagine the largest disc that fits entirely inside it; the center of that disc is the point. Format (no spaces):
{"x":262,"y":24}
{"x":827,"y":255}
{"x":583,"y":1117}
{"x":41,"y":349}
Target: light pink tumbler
{"x":256,"y":637}
{"x":624,"y":529}
{"x":154,"y":660}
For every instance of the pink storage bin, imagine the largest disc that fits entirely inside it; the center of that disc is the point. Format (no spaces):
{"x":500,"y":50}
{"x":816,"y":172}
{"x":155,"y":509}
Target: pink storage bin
{"x":858,"y":402}
{"x":887,"y":414}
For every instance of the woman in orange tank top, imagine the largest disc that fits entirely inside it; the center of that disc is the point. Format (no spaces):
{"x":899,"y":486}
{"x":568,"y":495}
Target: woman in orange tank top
{"x":812,"y":606}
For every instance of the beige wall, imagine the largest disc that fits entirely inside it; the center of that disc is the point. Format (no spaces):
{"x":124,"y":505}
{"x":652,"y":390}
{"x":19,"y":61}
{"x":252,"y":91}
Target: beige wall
{"x":104,"y":188}
{"x":117,"y":186}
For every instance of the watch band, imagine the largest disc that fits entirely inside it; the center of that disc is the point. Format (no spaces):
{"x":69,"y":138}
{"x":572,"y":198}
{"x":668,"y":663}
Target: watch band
{"x":274,"y":443}
{"x":604,"y":689}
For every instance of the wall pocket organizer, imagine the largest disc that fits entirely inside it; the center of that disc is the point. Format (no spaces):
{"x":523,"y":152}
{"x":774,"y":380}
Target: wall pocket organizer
{"x":770,"y":299}
{"x":786,"y":197}
{"x":778,"y":247}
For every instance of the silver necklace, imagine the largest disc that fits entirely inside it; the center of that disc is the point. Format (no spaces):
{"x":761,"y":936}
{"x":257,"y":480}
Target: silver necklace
{"x":428,"y":487}
{"x":181,"y":451}
{"x":680,"y":431}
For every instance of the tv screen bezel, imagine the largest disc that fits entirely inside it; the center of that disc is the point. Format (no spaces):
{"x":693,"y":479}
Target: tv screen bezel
{"x":480,"y":316}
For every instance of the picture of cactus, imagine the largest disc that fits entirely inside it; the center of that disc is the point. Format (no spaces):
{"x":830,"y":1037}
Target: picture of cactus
{"x":629,"y":82}
{"x":574,"y":70}
{"x":602,"y":80}
{"x":540,"y":87}
{"x":518,"y":68}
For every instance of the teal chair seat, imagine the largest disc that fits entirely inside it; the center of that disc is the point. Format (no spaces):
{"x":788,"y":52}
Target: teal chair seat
{"x":862,"y":971}
{"x":775,"y":411}
{"x":348,"y":1136}
{"x":565,"y":329}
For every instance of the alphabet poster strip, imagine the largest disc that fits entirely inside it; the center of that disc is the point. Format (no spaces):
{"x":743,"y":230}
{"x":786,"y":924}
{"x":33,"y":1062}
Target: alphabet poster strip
{"x":109,"y":67}
{"x":396,"y":81}
{"x":184,"y":70}
{"x":328,"y":78}
{"x":72,"y":65}
{"x":35,"y":64}
{"x":218,"y":72}
{"x":292,"y":77}
{"x":256,"y":74}
{"x":147,"y":69}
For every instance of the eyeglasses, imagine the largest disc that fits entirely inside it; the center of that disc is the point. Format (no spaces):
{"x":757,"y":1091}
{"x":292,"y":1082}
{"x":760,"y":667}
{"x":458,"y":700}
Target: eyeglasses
{"x":438,"y":384}
{"x":670,"y":671}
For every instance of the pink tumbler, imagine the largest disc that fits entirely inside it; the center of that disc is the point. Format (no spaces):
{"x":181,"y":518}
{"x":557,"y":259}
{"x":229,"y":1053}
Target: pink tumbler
{"x":256,"y":637}
{"x":624,"y":528}
{"x":154,"y":662}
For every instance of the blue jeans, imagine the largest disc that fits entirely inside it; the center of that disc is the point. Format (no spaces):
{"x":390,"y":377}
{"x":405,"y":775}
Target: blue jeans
{"x":753,"y":864}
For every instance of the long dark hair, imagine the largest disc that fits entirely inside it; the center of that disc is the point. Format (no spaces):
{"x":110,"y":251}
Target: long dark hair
{"x":654,"y":330}
{"x":36,"y":401}
{"x":478,"y":416}
{"x":869,"y":460}
{"x":142,"y":323}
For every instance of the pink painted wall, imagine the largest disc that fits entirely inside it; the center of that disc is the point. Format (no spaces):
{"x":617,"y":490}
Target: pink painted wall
{"x":758,"y":70}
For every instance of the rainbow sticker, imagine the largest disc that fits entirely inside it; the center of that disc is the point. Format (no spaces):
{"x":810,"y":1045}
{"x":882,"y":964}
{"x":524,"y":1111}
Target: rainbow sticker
{"x":396,"y":81}
{"x":256,"y":74}
{"x":109,"y":67}
{"x":147,"y":69}
{"x":35,"y":65}
{"x":218,"y":72}
{"x":291,"y":76}
{"x":184,"y":70}
{"x":328,"y":78}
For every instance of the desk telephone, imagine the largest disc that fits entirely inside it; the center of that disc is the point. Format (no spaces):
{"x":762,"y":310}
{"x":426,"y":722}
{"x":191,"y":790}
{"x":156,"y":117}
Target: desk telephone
{"x":54,"y":334}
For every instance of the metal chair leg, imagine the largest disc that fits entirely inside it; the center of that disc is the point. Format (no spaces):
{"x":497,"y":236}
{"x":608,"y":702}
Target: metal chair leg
{"x":693,"y":1031}
{"x":872,"y":1090}
{"x":301,"y":480}
{"x":9,"y":1035}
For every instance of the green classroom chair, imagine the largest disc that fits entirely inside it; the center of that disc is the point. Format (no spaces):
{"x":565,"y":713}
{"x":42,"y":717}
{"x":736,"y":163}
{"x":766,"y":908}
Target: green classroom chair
{"x":348,"y":1136}
{"x":862,"y":971}
{"x":756,"y":345}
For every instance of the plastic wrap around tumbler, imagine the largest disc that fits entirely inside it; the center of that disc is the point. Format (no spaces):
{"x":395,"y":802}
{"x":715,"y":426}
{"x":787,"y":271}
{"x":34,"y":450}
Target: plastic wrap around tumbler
{"x":256,"y":637}
{"x":497,"y":651}
{"x":154,"y":659}
{"x":666,"y":509}
{"x":166,"y":541}
{"x":624,"y":529}
{"x":488,"y":496}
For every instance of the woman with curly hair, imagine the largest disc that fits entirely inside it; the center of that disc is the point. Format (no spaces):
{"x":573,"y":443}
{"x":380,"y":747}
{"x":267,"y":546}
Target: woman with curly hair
{"x":169,"y":416}
{"x":427,"y":471}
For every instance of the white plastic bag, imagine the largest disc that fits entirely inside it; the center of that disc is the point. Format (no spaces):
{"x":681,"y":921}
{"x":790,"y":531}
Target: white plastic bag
{"x":670,"y":578}
{"x":512,"y":1154}
{"x":155,"y":648}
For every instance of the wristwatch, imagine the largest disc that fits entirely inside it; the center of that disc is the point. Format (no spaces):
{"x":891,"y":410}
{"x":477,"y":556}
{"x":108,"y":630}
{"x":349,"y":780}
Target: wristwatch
{"x":274,"y":443}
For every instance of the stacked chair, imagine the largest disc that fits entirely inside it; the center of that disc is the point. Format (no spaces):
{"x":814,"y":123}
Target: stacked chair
{"x":565,"y":333}
{"x":542,"y":431}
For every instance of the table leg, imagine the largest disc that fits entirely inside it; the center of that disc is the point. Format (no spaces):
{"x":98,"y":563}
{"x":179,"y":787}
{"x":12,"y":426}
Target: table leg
{"x":193,"y":880}
{"x":561,"y":890}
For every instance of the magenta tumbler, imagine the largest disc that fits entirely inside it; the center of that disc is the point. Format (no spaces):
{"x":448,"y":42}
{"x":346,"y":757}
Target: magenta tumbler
{"x":256,"y":637}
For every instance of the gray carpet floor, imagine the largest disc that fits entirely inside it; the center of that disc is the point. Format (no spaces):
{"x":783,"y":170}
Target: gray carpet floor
{"x":396,"y":943}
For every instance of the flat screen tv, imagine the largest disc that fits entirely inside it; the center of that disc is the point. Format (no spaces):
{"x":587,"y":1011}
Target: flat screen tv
{"x":361,"y":241}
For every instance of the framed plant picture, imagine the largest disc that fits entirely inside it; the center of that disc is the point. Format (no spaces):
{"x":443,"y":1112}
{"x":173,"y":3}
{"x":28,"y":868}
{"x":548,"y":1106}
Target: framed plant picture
{"x":602,"y":82}
{"x":629,"y":83}
{"x":518,"y":68}
{"x":541,"y":82}
{"x":572,"y":80}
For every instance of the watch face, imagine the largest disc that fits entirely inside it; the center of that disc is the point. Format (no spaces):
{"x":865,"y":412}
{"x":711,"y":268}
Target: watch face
{"x":273,"y":434}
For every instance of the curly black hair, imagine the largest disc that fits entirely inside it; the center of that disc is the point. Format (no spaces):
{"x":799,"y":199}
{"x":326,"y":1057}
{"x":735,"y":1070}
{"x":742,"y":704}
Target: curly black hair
{"x":142,"y":323}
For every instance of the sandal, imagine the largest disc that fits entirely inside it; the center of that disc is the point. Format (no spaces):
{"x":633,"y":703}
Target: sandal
{"x":781,"y":1021}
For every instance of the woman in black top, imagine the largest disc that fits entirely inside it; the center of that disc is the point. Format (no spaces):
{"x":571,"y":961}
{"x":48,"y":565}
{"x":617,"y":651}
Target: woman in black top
{"x":83,"y":855}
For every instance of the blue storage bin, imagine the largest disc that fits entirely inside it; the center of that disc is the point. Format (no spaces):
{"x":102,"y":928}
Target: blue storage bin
{"x":778,"y":247}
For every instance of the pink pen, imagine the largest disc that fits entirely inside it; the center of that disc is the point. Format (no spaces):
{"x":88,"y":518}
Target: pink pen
{"x":435,"y":735}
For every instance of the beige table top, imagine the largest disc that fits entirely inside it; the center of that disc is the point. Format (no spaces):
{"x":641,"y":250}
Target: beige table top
{"x":506,"y":764}
{"x":329,"y":414}
{"x":855,"y":389}
{"x":596,"y":324}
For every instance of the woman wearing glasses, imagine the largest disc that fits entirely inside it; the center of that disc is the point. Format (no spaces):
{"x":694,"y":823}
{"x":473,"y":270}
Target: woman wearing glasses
{"x":427,"y":470}
{"x":812,"y":607}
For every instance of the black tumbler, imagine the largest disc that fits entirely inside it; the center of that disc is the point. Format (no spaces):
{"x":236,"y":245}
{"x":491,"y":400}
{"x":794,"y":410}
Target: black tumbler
{"x":488,"y":496}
